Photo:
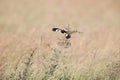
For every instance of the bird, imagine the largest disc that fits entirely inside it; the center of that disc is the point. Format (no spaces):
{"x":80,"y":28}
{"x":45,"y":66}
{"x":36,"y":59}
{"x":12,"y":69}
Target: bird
{"x":66,"y":33}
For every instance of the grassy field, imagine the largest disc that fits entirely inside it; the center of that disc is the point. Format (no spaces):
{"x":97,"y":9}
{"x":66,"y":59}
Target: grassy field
{"x":29,"y":50}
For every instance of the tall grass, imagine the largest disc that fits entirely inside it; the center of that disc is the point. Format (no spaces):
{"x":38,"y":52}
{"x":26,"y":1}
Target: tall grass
{"x":55,"y":68}
{"x":25,"y":72}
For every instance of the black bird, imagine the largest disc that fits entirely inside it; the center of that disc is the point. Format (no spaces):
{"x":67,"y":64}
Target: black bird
{"x":67,"y":35}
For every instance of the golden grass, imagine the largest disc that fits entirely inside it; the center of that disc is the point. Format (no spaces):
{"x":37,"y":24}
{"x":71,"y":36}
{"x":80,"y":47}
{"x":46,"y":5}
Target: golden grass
{"x":26,"y":25}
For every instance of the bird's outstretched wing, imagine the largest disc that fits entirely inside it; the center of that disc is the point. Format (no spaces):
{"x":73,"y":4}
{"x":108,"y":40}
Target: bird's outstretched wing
{"x":67,"y":35}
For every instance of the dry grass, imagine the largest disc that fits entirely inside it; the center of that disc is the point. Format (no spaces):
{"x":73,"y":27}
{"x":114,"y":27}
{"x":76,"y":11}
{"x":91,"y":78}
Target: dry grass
{"x":92,"y":55}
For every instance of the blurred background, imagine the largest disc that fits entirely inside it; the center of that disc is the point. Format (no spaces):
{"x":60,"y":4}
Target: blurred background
{"x":26,"y":24}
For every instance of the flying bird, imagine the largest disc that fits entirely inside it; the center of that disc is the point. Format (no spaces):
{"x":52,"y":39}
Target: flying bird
{"x":66,"y":33}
